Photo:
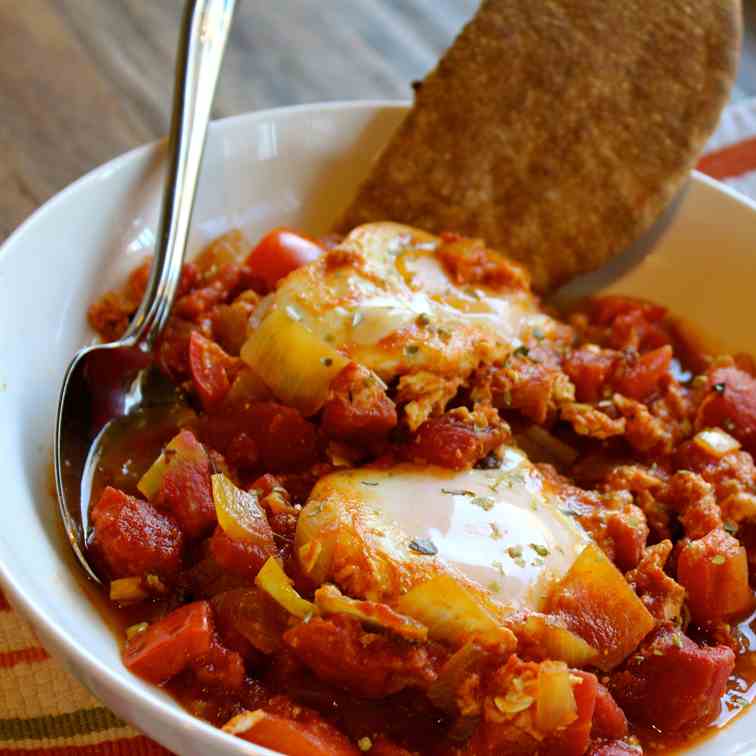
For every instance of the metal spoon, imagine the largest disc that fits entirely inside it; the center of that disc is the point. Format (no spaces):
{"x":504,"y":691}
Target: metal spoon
{"x":130,"y":384}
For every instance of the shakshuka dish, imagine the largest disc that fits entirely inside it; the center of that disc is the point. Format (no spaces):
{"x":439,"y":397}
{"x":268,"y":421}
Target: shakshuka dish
{"x":397,"y":506}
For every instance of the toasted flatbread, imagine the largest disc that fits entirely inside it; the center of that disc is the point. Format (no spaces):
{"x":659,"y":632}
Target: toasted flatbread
{"x":558,"y":130}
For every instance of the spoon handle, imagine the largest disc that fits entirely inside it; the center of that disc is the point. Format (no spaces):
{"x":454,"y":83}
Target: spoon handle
{"x":203,"y":36}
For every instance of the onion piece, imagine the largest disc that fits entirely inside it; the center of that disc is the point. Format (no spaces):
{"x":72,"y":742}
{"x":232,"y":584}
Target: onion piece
{"x":278,"y":585}
{"x":716,"y":442}
{"x":555,"y":704}
{"x":452,"y":614}
{"x":127,"y":590}
{"x":330,"y":600}
{"x":554,"y":640}
{"x":296,"y":365}
{"x":239,"y":513}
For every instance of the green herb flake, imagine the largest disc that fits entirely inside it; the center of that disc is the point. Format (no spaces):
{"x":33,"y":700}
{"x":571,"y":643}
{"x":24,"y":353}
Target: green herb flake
{"x":423,"y":546}
{"x":499,"y":567}
{"x":719,"y":388}
{"x":514,"y":551}
{"x":521,"y":351}
{"x":542,"y":551}
{"x":486,"y":503}
{"x":327,"y":361}
{"x":495,"y":531}
{"x":458,"y":492}
{"x":718,"y":559}
{"x":494,"y":587}
{"x":731,"y":527}
{"x":423,"y":319}
{"x":411,"y":349}
{"x":369,"y":483}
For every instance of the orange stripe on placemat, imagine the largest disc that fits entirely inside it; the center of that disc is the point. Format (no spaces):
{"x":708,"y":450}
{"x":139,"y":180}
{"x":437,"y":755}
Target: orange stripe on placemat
{"x":730,"y":161}
{"x":138,"y":746}
{"x":22,"y":656}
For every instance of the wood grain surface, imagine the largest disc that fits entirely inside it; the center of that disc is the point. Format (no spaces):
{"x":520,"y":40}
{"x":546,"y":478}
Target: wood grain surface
{"x":82,"y":81}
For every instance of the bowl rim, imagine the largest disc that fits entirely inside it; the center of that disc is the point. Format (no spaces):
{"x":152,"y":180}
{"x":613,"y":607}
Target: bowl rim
{"x":65,"y":643}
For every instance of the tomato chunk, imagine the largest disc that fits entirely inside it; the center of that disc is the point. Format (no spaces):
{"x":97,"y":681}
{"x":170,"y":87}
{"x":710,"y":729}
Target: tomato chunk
{"x":295,"y":731}
{"x":132,"y":538}
{"x":714,"y":571}
{"x":220,"y":669}
{"x":170,"y":645}
{"x":358,"y":409}
{"x":280,"y":252}
{"x":641,"y":379}
{"x":730,"y":404}
{"x":185,"y":489}
{"x":243,"y":558}
{"x":590,"y":369}
{"x":209,"y":367}
{"x":671,"y":683}
{"x":609,"y":721}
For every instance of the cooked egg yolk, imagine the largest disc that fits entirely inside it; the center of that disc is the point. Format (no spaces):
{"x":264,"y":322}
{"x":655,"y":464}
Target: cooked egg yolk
{"x":377,"y":533}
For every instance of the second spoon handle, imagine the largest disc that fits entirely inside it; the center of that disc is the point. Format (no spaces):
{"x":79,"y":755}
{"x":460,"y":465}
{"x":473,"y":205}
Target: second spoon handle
{"x":202,"y":41}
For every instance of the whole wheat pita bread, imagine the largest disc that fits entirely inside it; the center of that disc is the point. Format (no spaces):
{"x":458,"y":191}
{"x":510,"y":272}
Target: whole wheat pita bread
{"x":558,"y":130}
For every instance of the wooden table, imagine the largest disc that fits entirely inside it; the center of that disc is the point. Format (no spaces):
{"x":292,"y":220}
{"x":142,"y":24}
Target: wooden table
{"x":84,"y":80}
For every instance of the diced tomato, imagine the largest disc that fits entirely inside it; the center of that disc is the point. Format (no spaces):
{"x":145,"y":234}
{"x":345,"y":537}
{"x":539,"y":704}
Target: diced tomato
{"x":358,"y":409}
{"x":249,"y":621}
{"x":170,"y":645}
{"x":671,"y":683}
{"x":730,"y":404}
{"x":609,"y":721}
{"x":220,"y":669}
{"x":641,"y":379}
{"x":532,"y":388}
{"x":714,"y":571}
{"x":574,"y":739}
{"x":285,"y":439}
{"x":185,"y":490}
{"x":173,"y":348}
{"x":340,"y":652}
{"x":455,"y":441}
{"x":604,"y":310}
{"x":209,"y":367}
{"x":220,"y":287}
{"x":631,"y":323}
{"x":589,"y":370}
{"x":628,"y":532}
{"x":280,"y":252}
{"x":243,"y":558}
{"x":132,"y":538}
{"x":295,"y":731}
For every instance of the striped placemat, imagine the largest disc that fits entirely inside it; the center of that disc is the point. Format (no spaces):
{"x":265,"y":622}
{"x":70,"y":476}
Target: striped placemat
{"x":45,"y":711}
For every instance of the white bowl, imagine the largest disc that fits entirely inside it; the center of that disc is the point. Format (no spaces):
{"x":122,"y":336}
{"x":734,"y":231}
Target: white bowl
{"x":293,"y":166}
